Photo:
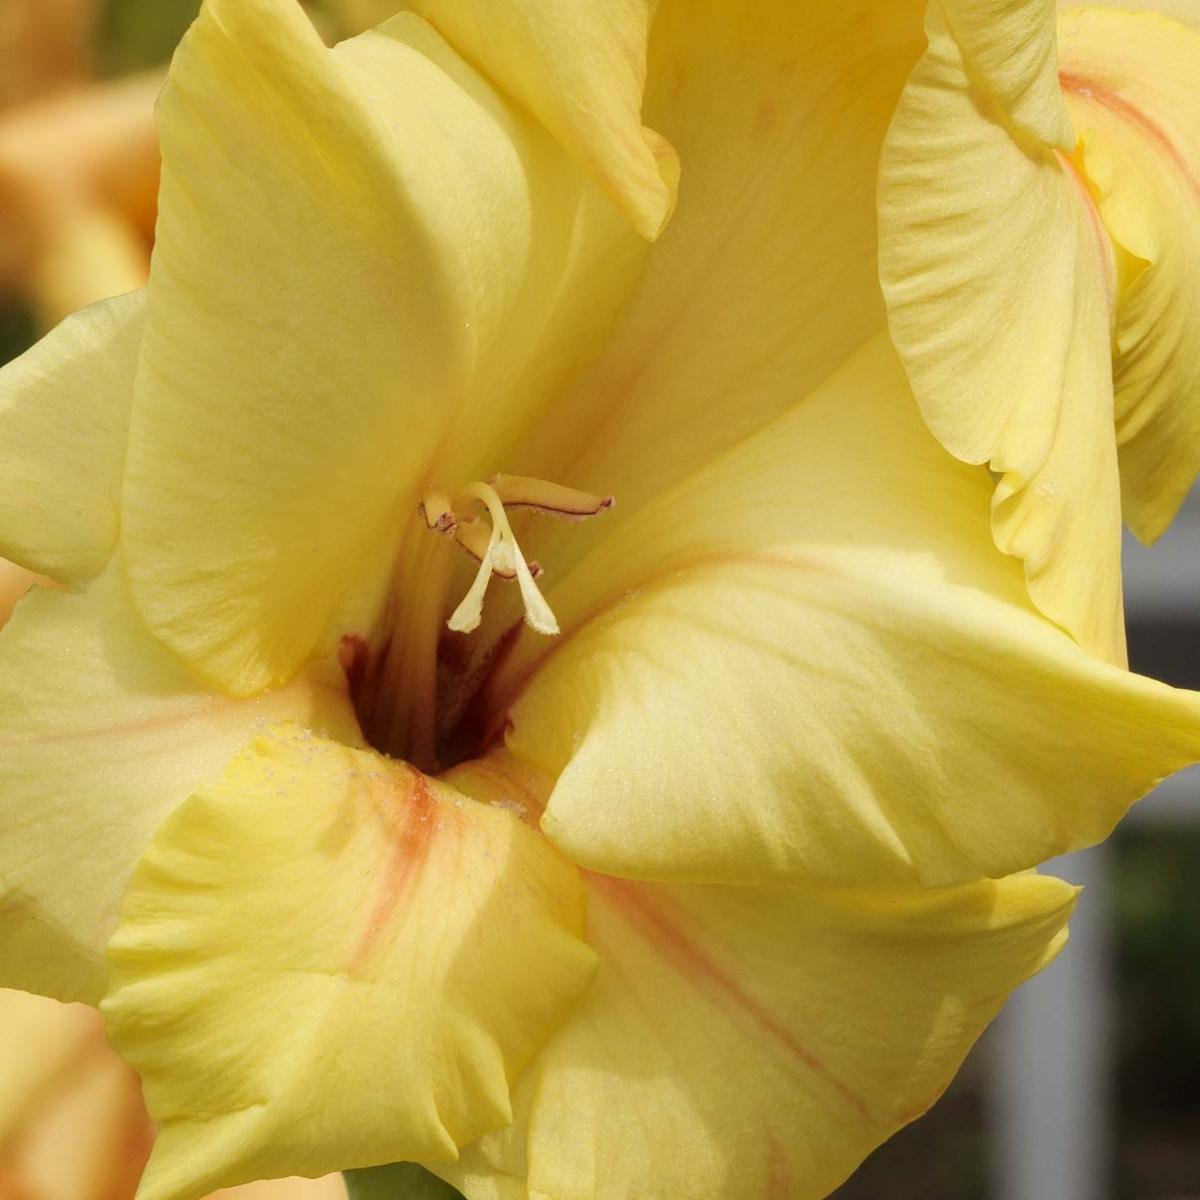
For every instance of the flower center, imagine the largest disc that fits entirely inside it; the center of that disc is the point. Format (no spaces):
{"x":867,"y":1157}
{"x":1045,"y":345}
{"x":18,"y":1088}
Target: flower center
{"x":395,"y":677}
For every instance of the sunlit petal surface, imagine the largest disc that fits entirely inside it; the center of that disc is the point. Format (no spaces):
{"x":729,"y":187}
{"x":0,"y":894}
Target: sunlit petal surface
{"x":807,"y":662}
{"x":1039,"y":253}
{"x":580,"y":68}
{"x":999,"y":277}
{"x":348,"y":242}
{"x":536,"y":680}
{"x":1130,"y":88}
{"x":329,"y":960}
{"x":755,"y":1043}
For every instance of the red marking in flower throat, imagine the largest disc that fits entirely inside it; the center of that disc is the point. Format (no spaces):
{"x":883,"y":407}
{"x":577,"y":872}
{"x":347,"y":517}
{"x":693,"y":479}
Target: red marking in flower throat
{"x":479,"y":724}
{"x":415,"y":818}
{"x":690,"y":960}
{"x":355,"y":657}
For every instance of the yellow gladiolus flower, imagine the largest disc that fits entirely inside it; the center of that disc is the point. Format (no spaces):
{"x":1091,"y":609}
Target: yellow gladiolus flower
{"x":1038,"y":197}
{"x":689,"y":862}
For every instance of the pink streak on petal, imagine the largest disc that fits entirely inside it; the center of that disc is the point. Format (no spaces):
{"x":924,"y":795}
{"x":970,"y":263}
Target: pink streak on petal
{"x":1096,"y":222}
{"x":694,"y":964}
{"x":1089,"y":90}
{"x":779,"y":1175}
{"x":415,"y":820}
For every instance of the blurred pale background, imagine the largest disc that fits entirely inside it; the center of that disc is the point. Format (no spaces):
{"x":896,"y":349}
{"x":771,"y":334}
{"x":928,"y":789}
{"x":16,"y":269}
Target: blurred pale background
{"x":1088,"y":1088}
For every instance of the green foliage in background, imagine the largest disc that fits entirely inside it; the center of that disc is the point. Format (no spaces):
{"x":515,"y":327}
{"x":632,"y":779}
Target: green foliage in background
{"x":135,"y":34}
{"x":1158,"y":969}
{"x":17,"y":331}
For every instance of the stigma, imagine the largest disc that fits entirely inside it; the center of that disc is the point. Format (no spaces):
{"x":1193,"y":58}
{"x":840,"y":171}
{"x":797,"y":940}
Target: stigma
{"x":494,"y":546}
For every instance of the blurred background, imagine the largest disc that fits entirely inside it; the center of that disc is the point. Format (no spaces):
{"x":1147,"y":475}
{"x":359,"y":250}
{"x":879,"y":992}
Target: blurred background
{"x":1087,"y":1088}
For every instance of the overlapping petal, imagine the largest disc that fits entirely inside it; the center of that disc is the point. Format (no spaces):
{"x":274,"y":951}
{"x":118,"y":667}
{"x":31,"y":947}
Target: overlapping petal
{"x":368,"y":268}
{"x":999,"y":280}
{"x":766,"y":277}
{"x":1007,"y":250}
{"x":329,"y":960}
{"x":749,"y":1042}
{"x":799,"y":661}
{"x":102,"y":733}
{"x":580,"y":68}
{"x":808,"y":662}
{"x":64,"y":419}
{"x":1129,"y":82}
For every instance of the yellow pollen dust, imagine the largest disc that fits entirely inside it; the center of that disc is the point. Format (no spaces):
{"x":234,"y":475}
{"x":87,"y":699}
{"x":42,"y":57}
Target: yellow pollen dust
{"x":496,"y":549}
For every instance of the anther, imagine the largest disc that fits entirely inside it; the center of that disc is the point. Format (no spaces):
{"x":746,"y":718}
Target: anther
{"x":437,"y":512}
{"x":522,"y":491}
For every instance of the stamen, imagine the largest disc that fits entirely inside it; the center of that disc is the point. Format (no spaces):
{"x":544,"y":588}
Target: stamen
{"x":438,"y":514}
{"x":501,"y":553}
{"x":525,"y":492}
{"x":473,"y":536}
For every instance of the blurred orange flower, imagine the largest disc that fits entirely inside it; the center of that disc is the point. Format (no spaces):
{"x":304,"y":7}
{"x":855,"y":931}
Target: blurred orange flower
{"x":72,"y":1122}
{"x":78,"y":163}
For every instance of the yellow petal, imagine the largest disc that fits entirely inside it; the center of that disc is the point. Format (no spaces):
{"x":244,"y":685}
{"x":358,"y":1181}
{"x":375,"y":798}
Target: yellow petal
{"x":329,"y":960}
{"x":1130,"y":84}
{"x":369,"y":271}
{"x":766,"y":279}
{"x":1187,"y":11}
{"x":998,"y":275}
{"x":580,"y":68}
{"x":101,"y":735}
{"x":64,"y":418}
{"x":1008,"y":49}
{"x":751,"y":1043}
{"x":809,"y":662}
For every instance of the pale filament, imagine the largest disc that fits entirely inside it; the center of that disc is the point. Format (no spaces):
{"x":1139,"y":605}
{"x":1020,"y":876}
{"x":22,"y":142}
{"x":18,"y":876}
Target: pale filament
{"x":502,"y":556}
{"x":475,"y":536}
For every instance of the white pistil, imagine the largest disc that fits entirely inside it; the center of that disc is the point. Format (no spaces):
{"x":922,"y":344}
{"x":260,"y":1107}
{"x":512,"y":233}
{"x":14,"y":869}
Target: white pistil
{"x":503,"y":556}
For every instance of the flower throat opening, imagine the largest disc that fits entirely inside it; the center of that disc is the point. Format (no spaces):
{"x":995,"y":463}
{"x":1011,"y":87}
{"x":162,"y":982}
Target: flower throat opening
{"x":412,"y":702}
